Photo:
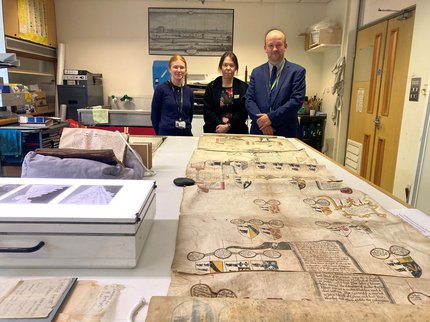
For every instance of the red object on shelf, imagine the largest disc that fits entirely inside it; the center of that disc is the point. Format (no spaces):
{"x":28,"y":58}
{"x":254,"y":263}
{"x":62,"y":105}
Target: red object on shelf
{"x":72,"y":123}
{"x":107,"y":128}
{"x":133,"y":130}
{"x":141,"y":131}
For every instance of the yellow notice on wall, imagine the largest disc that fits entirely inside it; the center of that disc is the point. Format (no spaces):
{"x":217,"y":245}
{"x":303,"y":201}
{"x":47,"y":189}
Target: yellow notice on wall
{"x":32,"y":18}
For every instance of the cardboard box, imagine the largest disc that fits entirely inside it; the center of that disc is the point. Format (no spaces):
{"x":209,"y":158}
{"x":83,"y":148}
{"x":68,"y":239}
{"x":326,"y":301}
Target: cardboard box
{"x":44,"y":109}
{"x":11,"y":171}
{"x":9,"y":120}
{"x":144,"y":149}
{"x":39,"y":95}
{"x":39,"y":99}
{"x":155,"y":140}
{"x":12,"y":99}
{"x":330,"y":36}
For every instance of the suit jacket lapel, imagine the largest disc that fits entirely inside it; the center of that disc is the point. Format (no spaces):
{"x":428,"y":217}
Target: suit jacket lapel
{"x":266,"y":80}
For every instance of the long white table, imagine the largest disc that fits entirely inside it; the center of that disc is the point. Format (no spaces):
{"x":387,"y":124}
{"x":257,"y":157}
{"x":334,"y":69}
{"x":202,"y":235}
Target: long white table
{"x":152,"y":274}
{"x":151,"y":277}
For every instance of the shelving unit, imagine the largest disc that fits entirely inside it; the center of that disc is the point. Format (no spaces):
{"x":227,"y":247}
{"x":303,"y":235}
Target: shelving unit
{"x":7,"y":99}
{"x":322,"y":48}
{"x":30,"y":72}
{"x":199,"y":92}
{"x":37,"y":66}
{"x":323,"y":40}
{"x":31,"y":139}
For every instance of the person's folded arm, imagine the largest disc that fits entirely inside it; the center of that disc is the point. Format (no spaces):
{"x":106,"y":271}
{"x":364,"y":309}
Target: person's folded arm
{"x":251,"y":102}
{"x":192,"y":107}
{"x":291,"y":107}
{"x":156,"y":105}
{"x":209,"y":115}
{"x":241,"y":115}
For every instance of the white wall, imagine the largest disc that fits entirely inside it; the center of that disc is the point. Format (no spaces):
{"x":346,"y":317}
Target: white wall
{"x":371,"y":12}
{"x":413,"y":112}
{"x":110,"y":37}
{"x":336,"y":13}
{"x":329,"y":61}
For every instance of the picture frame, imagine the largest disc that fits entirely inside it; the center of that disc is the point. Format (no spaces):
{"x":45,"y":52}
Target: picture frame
{"x":190,"y":31}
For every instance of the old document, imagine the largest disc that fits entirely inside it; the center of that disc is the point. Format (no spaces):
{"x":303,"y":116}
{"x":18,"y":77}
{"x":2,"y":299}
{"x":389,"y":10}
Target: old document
{"x":7,"y":286}
{"x":284,"y":232}
{"x":33,"y":298}
{"x":303,"y":286}
{"x":167,"y":309}
{"x":89,"y":302}
{"x":250,"y":143}
{"x":220,"y":243}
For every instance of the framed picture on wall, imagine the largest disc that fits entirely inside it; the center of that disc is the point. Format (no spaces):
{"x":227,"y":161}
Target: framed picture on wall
{"x":190,"y":31}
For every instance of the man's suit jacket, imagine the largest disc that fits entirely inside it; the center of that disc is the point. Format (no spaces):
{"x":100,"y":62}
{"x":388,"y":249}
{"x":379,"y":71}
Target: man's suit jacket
{"x":282,"y":104}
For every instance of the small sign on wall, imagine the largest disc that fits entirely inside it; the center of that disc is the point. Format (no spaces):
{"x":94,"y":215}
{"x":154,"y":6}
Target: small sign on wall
{"x":360,"y":100}
{"x":414,"y":92}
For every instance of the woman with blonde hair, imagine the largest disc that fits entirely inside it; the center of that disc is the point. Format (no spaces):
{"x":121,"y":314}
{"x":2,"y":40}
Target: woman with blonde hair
{"x":172,"y":103}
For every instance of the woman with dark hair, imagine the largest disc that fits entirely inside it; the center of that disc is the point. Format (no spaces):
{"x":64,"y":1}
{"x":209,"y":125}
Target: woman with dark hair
{"x":172,"y":103}
{"x":224,"y":100}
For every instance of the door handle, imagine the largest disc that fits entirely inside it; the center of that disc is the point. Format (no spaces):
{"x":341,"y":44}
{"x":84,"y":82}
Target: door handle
{"x":377,"y":122}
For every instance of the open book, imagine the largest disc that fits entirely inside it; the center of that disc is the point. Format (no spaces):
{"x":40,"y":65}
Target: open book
{"x":94,"y":139}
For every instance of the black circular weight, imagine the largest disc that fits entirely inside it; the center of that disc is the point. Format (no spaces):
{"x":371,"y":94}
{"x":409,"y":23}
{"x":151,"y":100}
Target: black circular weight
{"x":183,"y":182}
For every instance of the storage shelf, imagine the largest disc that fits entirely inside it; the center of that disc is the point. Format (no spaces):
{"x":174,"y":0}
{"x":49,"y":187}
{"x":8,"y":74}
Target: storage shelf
{"x":30,"y":72}
{"x":322,"y":48}
{"x":322,"y":40}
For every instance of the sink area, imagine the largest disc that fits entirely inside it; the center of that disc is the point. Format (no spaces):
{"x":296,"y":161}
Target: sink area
{"x":136,"y":112}
{"x":117,"y":117}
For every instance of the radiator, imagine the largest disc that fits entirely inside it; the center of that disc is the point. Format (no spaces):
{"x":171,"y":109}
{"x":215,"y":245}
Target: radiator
{"x":353,"y":156}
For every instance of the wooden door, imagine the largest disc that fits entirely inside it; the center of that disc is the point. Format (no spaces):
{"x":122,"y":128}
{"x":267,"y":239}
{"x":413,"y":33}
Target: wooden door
{"x":379,"y":84}
{"x":365,"y":91}
{"x":391,"y":100}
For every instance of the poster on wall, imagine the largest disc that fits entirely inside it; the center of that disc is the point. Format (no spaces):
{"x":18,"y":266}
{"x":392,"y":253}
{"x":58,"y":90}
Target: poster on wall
{"x":189,"y":31}
{"x":33,"y":23}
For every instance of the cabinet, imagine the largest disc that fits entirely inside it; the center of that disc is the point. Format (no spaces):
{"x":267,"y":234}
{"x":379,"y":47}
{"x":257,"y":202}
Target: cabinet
{"x":11,"y":22}
{"x":10,"y":18}
{"x":199,"y":93}
{"x":79,"y":96}
{"x":312,"y":130}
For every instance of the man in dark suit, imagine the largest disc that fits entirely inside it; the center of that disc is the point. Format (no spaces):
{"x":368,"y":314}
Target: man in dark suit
{"x":276,"y":91}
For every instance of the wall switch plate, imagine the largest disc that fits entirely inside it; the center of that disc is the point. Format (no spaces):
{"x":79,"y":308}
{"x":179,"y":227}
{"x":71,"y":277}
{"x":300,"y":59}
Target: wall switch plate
{"x":414,"y":92}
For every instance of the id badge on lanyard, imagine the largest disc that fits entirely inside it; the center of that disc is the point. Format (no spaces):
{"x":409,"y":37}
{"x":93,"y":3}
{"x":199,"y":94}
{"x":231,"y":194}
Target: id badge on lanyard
{"x":179,"y":124}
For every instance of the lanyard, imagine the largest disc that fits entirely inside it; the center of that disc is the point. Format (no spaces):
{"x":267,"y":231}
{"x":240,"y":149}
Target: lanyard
{"x":278,"y":75}
{"x":180,"y":105}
